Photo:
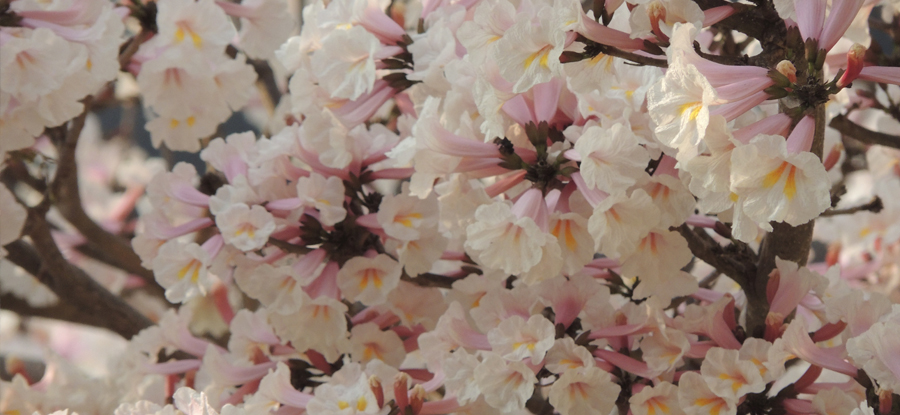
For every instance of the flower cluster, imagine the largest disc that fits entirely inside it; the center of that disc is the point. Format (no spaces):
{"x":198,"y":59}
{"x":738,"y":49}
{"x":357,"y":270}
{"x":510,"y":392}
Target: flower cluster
{"x":479,"y":206}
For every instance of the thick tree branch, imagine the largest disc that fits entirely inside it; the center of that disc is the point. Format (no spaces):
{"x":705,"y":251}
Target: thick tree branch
{"x":735,"y":261}
{"x":786,"y":242}
{"x":96,"y":306}
{"x":67,"y":198}
{"x":863,"y":134}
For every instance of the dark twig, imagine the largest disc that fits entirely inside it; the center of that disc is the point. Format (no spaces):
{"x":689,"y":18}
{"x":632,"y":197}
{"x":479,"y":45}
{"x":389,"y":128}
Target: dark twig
{"x":96,"y":305}
{"x":875,"y":205}
{"x":735,"y":264}
{"x":639,"y":59}
{"x":429,"y":280}
{"x":863,"y":134}
{"x":289,"y":247}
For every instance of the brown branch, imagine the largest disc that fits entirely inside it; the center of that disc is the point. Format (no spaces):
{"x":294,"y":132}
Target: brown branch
{"x":113,"y":250}
{"x":131,"y":47}
{"x":735,"y":261}
{"x":266,"y":82}
{"x":639,"y":59}
{"x":786,"y":242}
{"x":863,"y":134}
{"x":96,"y":305}
{"x":429,"y":280}
{"x":289,"y":247}
{"x":875,"y":205}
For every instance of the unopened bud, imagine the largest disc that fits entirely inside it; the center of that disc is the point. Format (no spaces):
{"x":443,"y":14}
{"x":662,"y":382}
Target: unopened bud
{"x":375,"y":385}
{"x":16,"y":366}
{"x":656,"y":12}
{"x":398,"y":9}
{"x":416,"y":399}
{"x":833,"y":254}
{"x":885,"y":401}
{"x":787,"y":69}
{"x":855,"y":62}
{"x":401,"y":389}
{"x":772,"y":284}
{"x":833,"y":156}
{"x":621,"y":318}
{"x":774,"y":326}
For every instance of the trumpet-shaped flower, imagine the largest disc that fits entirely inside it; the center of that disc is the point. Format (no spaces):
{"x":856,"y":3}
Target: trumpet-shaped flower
{"x":775,"y":186}
{"x":586,"y":390}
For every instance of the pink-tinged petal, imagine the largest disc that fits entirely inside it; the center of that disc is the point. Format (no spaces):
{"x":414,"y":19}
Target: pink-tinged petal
{"x":353,"y":113}
{"x":705,"y":294}
{"x":325,"y":285}
{"x":799,"y":406}
{"x":505,"y":183}
{"x":847,"y":386}
{"x":186,"y":193}
{"x":572,"y":155}
{"x":802,"y":137}
{"x":720,"y":75}
{"x":518,"y":109}
{"x":708,"y":222}
{"x":228,"y":374}
{"x":285,"y":204}
{"x":625,"y":363}
{"x":839,"y":19}
{"x":398,"y":173}
{"x":164,"y":231}
{"x":287,"y":395}
{"x":469,"y":337}
{"x":593,"y":196}
{"x":173,"y":367}
{"x":599,"y":33}
{"x":531,"y":205}
{"x":382,"y":26}
{"x":719,"y":331}
{"x":882,"y":74}
{"x":798,"y":342}
{"x":436,"y":381}
{"x":451,"y":144}
{"x":238,"y":396}
{"x":369,"y":221}
{"x":618,"y":331}
{"x":808,"y":378}
{"x":810,"y":17}
{"x":698,"y":350}
{"x":387,"y":52}
{"x":735,"y":109}
{"x":234,"y":9}
{"x":743,"y":88}
{"x":716,"y":14}
{"x":213,"y":245}
{"x":546,"y":99}
{"x":443,"y":406}
{"x":777,"y":124}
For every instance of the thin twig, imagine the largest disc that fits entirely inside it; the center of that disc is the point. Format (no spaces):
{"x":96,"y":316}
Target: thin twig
{"x":640,"y":59}
{"x":875,"y":205}
{"x":863,"y":134}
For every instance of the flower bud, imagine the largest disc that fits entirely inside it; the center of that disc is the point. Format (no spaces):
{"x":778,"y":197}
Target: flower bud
{"x":416,"y":399}
{"x":787,"y":69}
{"x":855,"y":63}
{"x":401,"y":382}
{"x":375,"y":385}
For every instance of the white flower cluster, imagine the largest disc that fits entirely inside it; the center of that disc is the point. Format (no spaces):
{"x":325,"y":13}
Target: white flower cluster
{"x":473,"y":207}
